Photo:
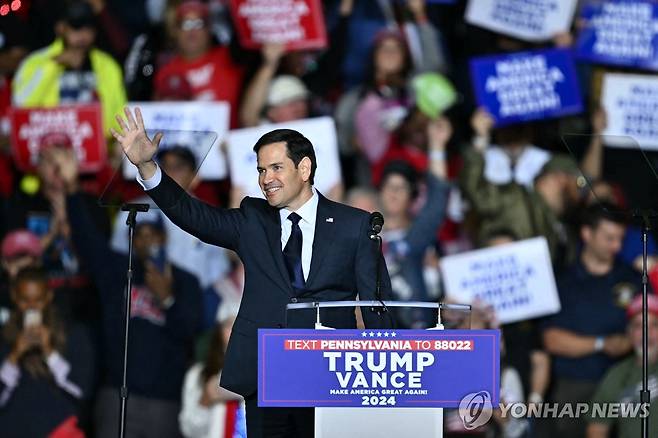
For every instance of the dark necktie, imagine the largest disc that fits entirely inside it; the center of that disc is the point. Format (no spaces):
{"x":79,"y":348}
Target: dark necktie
{"x":292,"y":254}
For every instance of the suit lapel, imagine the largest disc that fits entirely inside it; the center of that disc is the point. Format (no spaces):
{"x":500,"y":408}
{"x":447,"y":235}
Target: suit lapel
{"x":323,"y":239}
{"x":273,"y":230}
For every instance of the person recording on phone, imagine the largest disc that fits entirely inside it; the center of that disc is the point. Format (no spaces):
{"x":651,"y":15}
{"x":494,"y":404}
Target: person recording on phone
{"x":19,"y":249}
{"x":46,"y":366}
{"x":296,"y":246}
{"x":166,"y":312}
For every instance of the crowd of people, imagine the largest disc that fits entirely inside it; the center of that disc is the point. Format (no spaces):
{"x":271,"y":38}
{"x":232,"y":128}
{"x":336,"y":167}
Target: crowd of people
{"x":413,"y":144}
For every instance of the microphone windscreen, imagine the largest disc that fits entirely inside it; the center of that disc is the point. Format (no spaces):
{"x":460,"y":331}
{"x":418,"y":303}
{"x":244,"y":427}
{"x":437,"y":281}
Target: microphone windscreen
{"x":376,"y":222}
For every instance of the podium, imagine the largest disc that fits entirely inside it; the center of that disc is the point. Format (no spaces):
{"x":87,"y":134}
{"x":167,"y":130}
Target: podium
{"x":378,"y":422}
{"x":376,"y":382}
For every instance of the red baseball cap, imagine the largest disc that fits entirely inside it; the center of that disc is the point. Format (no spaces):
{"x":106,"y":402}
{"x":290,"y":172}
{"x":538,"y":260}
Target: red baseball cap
{"x":59,"y":139}
{"x":635,"y":307}
{"x":192,"y":6}
{"x":21,"y":242}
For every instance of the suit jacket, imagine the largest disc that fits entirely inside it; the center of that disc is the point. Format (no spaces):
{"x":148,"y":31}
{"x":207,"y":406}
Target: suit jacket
{"x":343,"y":264}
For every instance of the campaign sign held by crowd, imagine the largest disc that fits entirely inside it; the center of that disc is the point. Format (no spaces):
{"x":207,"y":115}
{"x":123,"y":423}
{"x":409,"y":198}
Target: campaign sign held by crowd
{"x":620,"y":33}
{"x":298,"y":23}
{"x":376,"y":368}
{"x":78,"y":127}
{"x":631,"y":103}
{"x":530,"y":20}
{"x":525,"y":86}
{"x":516,"y":279}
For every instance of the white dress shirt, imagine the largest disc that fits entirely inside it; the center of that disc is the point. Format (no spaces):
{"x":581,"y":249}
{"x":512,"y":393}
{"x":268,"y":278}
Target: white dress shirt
{"x":152,"y":182}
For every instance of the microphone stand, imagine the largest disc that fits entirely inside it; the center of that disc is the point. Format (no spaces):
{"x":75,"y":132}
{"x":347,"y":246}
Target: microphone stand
{"x":645,"y":393}
{"x":132,"y":210}
{"x":378,"y":281}
{"x":378,"y":274}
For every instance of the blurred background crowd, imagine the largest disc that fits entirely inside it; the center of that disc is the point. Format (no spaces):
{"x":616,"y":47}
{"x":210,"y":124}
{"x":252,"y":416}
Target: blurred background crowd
{"x":445,"y":177}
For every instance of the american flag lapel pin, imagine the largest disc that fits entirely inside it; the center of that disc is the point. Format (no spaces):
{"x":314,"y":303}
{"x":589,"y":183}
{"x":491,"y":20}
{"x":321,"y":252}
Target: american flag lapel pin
{"x":330,"y":219}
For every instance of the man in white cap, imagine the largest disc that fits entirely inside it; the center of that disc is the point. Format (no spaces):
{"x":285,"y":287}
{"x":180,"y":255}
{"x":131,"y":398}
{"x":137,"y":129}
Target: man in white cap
{"x":270,"y":97}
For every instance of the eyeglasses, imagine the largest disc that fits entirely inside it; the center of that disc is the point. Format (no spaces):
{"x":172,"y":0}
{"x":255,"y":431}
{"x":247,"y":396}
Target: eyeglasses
{"x":192,"y":24}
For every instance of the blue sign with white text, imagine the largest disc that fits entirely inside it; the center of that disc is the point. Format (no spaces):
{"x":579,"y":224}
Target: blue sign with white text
{"x":376,"y":368}
{"x":526,"y":86}
{"x":620,"y":33}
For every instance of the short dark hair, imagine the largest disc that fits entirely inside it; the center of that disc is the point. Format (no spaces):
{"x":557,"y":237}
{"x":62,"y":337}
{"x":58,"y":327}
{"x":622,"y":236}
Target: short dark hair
{"x":596,"y":213}
{"x":297,"y":146}
{"x":182,"y":153}
{"x":77,"y":14}
{"x":405,"y":170}
{"x":31,"y":273}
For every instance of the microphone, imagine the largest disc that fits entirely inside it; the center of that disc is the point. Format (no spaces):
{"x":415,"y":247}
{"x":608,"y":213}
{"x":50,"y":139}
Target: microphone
{"x":376,"y":223}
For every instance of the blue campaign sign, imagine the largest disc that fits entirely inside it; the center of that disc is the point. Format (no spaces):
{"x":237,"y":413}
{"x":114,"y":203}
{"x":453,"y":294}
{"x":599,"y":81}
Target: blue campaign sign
{"x":620,"y":33}
{"x":526,"y":86}
{"x":382,"y":368}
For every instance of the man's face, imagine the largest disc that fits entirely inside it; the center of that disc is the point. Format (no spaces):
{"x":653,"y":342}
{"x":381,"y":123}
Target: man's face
{"x":32,"y":295}
{"x":178,"y":169}
{"x":48,"y":170}
{"x":281,"y":182}
{"x":635,"y":333}
{"x":289,"y":111}
{"x":193,"y":35}
{"x":395,"y":195}
{"x":559,"y":190}
{"x":604,"y":241}
{"x":80,"y":39}
{"x":146,"y":237}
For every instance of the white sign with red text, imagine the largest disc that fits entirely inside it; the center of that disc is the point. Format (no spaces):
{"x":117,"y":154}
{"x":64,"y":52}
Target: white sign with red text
{"x":78,"y":127}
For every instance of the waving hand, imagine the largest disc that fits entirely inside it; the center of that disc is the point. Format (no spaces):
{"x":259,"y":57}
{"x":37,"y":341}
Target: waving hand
{"x":139,"y":149}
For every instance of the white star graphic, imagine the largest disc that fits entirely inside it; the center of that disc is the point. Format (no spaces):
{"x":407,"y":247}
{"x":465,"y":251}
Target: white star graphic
{"x":364,"y":334}
{"x":371,"y":334}
{"x":379,"y":334}
{"x":393,"y":334}
{"x":386,"y":334}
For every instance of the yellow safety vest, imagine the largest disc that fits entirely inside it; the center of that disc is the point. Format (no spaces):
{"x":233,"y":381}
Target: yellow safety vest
{"x":36,"y":83}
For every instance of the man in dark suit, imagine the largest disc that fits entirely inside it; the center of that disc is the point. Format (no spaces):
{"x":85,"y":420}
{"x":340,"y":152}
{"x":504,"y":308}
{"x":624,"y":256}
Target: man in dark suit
{"x":296,"y":246}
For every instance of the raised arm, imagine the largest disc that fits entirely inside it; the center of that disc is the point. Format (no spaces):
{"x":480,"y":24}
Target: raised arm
{"x":422,"y":232}
{"x":217,"y":226}
{"x":255,"y":95}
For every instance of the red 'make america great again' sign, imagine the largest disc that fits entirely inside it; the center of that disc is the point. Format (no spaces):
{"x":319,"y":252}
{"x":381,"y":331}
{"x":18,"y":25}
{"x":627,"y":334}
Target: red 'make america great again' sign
{"x":298,"y":23}
{"x":79,"y":127}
